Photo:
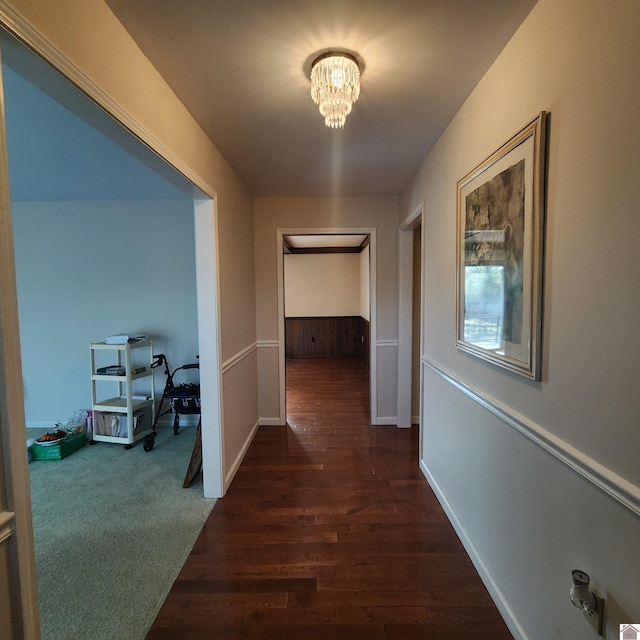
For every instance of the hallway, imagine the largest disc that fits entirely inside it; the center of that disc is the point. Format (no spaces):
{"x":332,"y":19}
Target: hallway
{"x":329,"y":531}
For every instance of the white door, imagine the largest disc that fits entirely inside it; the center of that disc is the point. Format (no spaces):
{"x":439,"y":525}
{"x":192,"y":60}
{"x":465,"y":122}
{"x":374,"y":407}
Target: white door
{"x":18,"y":593}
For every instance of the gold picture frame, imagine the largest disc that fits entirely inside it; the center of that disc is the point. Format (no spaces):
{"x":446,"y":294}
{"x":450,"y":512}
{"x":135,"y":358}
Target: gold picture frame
{"x":500,"y":237}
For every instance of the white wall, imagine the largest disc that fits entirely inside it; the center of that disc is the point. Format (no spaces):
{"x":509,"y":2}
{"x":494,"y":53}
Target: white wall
{"x":86,"y":270}
{"x":544,"y":477}
{"x":324,"y":284}
{"x":379,"y":213}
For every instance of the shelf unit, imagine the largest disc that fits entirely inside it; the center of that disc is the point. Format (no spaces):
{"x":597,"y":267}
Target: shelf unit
{"x":130,"y":411}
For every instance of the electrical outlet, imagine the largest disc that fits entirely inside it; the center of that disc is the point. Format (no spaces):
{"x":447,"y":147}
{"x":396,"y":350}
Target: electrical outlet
{"x":596,"y":616}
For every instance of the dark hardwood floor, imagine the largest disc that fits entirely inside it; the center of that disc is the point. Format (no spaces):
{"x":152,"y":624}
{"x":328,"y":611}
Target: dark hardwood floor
{"x":329,"y":531}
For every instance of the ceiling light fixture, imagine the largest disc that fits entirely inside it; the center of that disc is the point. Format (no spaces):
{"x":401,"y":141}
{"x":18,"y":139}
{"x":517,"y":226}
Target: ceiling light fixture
{"x":335,"y":86}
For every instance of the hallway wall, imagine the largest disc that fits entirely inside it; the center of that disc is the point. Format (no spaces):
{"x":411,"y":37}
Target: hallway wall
{"x":380,"y":213}
{"x":543,"y":477}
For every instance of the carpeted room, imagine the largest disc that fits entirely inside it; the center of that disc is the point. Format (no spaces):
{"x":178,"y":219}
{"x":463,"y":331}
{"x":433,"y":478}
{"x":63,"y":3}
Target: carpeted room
{"x":112,"y":530}
{"x":111,"y":527}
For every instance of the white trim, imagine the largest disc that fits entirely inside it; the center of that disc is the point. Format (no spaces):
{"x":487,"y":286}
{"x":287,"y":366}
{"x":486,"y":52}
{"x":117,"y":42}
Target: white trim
{"x":210,"y":345}
{"x":270,"y":422}
{"x":386,"y":343}
{"x":373,"y":357}
{"x":386,"y":421}
{"x":16,"y":24}
{"x":414,"y":219}
{"x":238,"y":357}
{"x":23,"y":568}
{"x":373,"y":325}
{"x":415,"y":420}
{"x":210,"y":373}
{"x":619,"y":488}
{"x":282,"y":383}
{"x":268,"y":344}
{"x":405,"y":314}
{"x":238,"y":461}
{"x":500,"y":601}
{"x":423,"y":281}
{"x":20,"y":578}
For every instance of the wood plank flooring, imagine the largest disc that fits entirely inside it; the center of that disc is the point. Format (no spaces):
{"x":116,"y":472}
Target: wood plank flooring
{"x":329,"y":531}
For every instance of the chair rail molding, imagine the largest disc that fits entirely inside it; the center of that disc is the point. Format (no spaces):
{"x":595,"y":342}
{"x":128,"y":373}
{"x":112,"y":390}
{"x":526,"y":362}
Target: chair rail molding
{"x":238,"y":357}
{"x":619,"y":488}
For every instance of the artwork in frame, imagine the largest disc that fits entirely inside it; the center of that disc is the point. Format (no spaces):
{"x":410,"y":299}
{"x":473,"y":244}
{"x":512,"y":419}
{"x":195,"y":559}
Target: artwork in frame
{"x":500,"y":253}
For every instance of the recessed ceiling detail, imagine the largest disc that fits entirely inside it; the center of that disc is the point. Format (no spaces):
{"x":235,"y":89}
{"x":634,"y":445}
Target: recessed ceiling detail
{"x":325,"y":243}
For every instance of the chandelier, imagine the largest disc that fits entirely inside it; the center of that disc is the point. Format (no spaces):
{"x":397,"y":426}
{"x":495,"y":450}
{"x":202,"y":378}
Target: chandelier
{"x":335,"y":86}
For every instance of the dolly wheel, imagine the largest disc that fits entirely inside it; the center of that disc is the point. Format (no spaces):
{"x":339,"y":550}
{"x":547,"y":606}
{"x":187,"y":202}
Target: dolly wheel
{"x":149,"y":441}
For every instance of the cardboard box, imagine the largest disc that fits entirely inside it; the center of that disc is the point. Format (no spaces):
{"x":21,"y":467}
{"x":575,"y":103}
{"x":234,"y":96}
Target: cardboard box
{"x":65,"y":448}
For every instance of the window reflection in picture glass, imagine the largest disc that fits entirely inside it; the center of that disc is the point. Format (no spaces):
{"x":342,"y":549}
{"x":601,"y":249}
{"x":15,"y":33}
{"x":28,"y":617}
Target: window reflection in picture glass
{"x":484,"y":306}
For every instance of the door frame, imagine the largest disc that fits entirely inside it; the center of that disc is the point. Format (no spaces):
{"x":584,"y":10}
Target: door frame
{"x":206,"y":244}
{"x":373,"y":382}
{"x":16,"y":528}
{"x":405,"y":316}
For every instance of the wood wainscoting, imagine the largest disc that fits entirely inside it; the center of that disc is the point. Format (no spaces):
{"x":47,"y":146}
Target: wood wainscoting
{"x":326,"y":337}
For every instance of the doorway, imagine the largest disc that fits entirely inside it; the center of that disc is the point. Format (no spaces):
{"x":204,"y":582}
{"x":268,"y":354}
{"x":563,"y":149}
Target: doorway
{"x":327,"y":301}
{"x":20,"y":571}
{"x":317,"y":332}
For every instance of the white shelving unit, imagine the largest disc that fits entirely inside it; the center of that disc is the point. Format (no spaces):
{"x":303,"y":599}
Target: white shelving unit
{"x":127,"y":416}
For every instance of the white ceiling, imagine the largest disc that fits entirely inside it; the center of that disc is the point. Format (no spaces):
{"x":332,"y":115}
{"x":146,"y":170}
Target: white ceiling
{"x":240,"y":68}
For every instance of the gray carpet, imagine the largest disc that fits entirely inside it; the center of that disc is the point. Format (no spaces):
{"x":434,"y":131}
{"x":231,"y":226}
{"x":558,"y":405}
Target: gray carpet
{"x":112,"y":529}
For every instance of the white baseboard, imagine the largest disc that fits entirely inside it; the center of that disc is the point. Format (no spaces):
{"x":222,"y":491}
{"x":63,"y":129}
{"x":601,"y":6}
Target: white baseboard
{"x":498,"y":597}
{"x":41,"y":425}
{"x":386,"y":421}
{"x":270,"y":422}
{"x":238,"y":461}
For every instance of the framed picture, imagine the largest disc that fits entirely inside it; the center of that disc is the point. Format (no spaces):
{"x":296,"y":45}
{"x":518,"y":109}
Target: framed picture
{"x":500,"y":253}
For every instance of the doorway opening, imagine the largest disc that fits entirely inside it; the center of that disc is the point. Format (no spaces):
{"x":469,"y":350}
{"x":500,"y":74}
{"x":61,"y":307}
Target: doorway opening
{"x":326,"y":307}
{"x":113,"y":165}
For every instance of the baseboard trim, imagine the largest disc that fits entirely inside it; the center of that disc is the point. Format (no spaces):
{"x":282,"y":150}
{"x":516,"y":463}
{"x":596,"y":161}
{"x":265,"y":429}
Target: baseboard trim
{"x":51,"y":424}
{"x":386,"y":421}
{"x":230,"y":475}
{"x":270,"y":422}
{"x":497,"y":596}
{"x":620,"y":489}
